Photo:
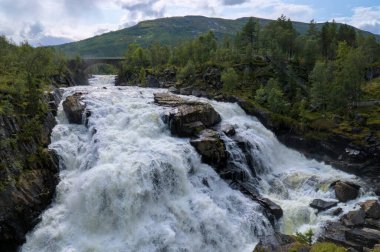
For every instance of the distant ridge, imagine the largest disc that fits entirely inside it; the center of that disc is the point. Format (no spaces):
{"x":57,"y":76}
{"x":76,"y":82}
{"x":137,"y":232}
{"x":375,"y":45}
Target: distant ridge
{"x":168,"y":31}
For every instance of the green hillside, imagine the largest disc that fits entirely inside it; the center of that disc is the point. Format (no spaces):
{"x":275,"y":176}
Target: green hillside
{"x":168,"y":31}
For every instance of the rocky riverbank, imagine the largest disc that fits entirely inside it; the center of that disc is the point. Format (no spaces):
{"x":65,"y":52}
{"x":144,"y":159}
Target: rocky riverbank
{"x":29,"y":173}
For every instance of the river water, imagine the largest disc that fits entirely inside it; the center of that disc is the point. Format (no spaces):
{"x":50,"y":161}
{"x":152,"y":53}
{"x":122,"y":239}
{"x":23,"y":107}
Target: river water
{"x":126,"y":184}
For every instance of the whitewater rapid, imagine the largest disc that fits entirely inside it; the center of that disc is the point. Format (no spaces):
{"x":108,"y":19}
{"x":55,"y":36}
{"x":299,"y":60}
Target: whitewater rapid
{"x":127,"y":185}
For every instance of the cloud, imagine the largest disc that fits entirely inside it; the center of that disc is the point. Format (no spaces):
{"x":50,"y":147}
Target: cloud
{"x":54,"y":21}
{"x":367,"y":18}
{"x":234,"y":2}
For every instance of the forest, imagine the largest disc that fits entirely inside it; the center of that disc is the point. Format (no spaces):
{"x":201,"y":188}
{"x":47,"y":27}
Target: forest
{"x":312,"y":80}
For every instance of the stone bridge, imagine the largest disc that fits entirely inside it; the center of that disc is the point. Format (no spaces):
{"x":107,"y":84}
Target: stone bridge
{"x":90,"y":61}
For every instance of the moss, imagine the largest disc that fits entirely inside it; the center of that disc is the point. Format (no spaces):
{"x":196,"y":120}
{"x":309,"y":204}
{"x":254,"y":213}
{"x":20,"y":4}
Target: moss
{"x":371,"y":89}
{"x":297,"y":246}
{"x":326,"y":247}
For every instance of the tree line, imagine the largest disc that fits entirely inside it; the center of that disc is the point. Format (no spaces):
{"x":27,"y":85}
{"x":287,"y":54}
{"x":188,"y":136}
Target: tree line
{"x":282,"y":70}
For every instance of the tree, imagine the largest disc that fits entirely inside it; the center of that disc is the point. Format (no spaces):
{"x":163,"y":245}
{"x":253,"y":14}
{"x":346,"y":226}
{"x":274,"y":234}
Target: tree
{"x":188,"y":72}
{"x":350,"y":65}
{"x":142,"y":77}
{"x":230,"y":79}
{"x":347,"y":33}
{"x":249,"y":35}
{"x":321,"y":79}
{"x":312,"y":31}
{"x":328,"y":40}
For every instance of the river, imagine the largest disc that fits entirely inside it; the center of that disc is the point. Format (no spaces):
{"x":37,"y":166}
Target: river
{"x":126,"y":184}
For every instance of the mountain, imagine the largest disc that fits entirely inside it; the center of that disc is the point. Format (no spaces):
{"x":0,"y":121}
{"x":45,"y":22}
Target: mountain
{"x":168,"y":31}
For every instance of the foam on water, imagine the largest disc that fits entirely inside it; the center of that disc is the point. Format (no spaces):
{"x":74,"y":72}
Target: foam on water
{"x":127,"y":185}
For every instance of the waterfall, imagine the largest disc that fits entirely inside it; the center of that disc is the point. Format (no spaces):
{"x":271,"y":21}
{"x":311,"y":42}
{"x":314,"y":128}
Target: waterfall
{"x":126,"y":184}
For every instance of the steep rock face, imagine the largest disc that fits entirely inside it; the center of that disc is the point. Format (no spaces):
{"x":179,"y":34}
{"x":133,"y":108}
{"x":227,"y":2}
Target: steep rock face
{"x":28,"y":175}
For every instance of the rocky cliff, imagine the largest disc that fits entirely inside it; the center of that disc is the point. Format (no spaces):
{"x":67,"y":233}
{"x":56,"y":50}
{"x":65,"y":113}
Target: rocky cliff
{"x":28,"y":172}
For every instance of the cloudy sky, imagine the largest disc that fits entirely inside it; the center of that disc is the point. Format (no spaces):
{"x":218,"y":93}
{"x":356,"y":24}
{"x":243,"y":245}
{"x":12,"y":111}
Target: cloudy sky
{"x":45,"y":22}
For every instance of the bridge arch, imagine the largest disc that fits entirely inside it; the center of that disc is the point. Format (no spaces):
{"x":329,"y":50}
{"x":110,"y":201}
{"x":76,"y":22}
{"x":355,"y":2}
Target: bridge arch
{"x":87,"y":62}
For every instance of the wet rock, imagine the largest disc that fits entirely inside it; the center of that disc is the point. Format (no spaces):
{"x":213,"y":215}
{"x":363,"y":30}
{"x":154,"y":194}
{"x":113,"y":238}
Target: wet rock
{"x":211,"y":148}
{"x":371,"y":209}
{"x":196,"y":92}
{"x":365,"y":237}
{"x":228,"y":129}
{"x":354,"y":218}
{"x":186,"y":91}
{"x":322,"y":205}
{"x":187,"y":118}
{"x":74,"y":108}
{"x":345,"y":191}
{"x":335,"y":232}
{"x":372,"y":223}
{"x":191,"y":129}
{"x":173,"y":90}
{"x":186,"y":115}
{"x":152,"y":82}
{"x":167,"y":99}
{"x":337,"y":211}
{"x":273,"y":208}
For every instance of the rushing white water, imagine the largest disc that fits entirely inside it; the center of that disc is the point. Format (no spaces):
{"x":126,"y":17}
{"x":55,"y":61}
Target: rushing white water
{"x":128,"y":185}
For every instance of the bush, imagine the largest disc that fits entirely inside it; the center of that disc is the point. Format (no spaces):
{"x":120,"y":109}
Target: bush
{"x":305,"y":238}
{"x":261,"y":95}
{"x":188,"y":72}
{"x":230,"y":79}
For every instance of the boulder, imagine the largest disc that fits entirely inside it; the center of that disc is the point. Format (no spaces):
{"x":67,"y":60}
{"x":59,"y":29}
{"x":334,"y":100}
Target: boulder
{"x":354,"y":218}
{"x":322,"y":205}
{"x":186,"y":115}
{"x":186,"y":91}
{"x":228,"y":129}
{"x":211,"y":148}
{"x":196,"y":92}
{"x":173,"y":90}
{"x":371,"y":209}
{"x":272,"y":207}
{"x":152,"y":82}
{"x":345,"y":191}
{"x":364,"y":237}
{"x":187,"y":118}
{"x":74,"y":108}
{"x":168,"y":99}
{"x":337,"y":211}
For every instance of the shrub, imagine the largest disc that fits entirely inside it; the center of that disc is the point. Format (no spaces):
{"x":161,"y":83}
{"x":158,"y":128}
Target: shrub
{"x":230,"y":79}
